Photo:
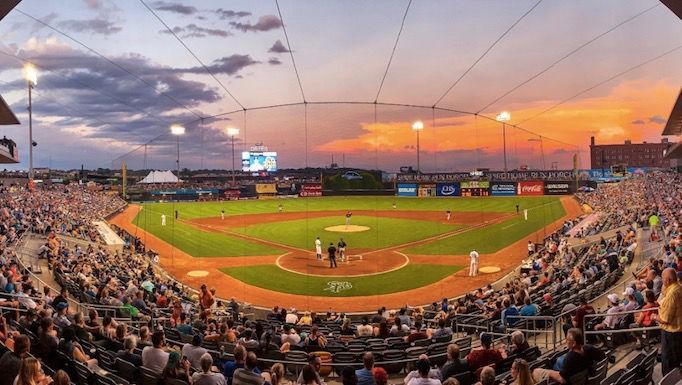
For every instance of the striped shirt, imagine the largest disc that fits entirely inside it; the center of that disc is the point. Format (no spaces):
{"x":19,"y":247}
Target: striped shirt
{"x":670,"y":312}
{"x":245,"y":376}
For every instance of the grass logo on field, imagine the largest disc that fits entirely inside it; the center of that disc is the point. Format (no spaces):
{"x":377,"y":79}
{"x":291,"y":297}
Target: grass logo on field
{"x":338,"y":286}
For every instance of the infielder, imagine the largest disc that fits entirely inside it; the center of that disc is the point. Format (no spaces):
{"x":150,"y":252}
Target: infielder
{"x":448,"y":214}
{"x":222,"y":214}
{"x":163,"y":219}
{"x":342,"y":249}
{"x":473,"y":265}
{"x":318,"y":248}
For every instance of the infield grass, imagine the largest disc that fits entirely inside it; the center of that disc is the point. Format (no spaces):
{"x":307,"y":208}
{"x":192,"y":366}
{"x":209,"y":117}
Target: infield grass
{"x":273,"y":278}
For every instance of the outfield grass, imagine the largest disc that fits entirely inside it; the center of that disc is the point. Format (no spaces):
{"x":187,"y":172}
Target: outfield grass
{"x":189,"y":210}
{"x":492,"y":238}
{"x":199,"y":243}
{"x":273,"y":278}
{"x":383,"y":231}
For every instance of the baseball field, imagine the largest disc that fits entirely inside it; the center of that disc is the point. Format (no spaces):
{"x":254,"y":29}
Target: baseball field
{"x":261,"y":250}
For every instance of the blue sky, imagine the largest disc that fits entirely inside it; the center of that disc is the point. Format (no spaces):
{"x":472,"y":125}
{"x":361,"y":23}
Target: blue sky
{"x":89,"y":111}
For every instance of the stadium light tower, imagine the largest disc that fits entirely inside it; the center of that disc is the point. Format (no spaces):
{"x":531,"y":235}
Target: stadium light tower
{"x":418,"y":126}
{"x":232,"y":132}
{"x":32,"y":80}
{"x":178,"y":130}
{"x":504,"y":117}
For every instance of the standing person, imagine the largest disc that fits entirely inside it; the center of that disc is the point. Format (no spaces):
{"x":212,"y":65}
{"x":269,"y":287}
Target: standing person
{"x":448,"y":214}
{"x":517,"y":209}
{"x":280,"y":208}
{"x":163,"y":219}
{"x":525,"y":214}
{"x":394,"y":206}
{"x":348,"y":216}
{"x":177,"y":214}
{"x":531,"y":248}
{"x":342,"y":249}
{"x":331,"y":250}
{"x":670,"y":318}
{"x":473,"y":264}
{"x":318,"y":248}
{"x":222,"y":214}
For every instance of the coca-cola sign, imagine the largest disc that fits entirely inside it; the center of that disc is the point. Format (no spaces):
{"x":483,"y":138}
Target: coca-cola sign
{"x":530,"y":188}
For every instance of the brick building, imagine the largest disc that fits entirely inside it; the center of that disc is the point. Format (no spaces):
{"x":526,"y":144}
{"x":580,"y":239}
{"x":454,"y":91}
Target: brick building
{"x":629,"y":154}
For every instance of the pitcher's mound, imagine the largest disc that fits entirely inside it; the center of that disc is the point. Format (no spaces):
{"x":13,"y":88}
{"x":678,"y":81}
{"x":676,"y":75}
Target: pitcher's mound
{"x":489,"y":269}
{"x":347,"y":229}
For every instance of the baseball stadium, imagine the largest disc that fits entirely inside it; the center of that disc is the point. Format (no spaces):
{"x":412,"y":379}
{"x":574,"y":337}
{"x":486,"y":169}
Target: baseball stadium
{"x":340,"y":192}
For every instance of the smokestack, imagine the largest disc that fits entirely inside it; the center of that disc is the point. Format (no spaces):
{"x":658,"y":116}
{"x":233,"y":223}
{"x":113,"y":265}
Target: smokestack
{"x":591,"y":140}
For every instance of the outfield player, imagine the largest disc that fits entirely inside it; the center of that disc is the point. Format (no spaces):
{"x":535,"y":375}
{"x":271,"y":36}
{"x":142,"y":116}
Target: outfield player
{"x":280,"y":208}
{"x":318,"y":248}
{"x":342,"y":249}
{"x":525,"y":214}
{"x":222,"y":214}
{"x":473,"y":264}
{"x":163,"y":219}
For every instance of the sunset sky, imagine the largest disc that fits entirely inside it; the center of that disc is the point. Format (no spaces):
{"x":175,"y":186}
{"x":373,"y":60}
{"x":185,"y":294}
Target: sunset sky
{"x":91,"y":110}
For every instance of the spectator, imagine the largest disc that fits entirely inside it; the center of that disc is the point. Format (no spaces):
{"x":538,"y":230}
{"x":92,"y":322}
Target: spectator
{"x":442,"y":329}
{"x":611,"y":320}
{"x":290,"y":336}
{"x":206,"y":377}
{"x":314,"y":364}
{"x":364,"y":375}
{"x":238,"y":363}
{"x":348,"y":376}
{"x":433,"y":373}
{"x":519,"y":343}
{"x":417,"y":334}
{"x":670,"y":318}
{"x":60,"y":318}
{"x":380,"y":376}
{"x":176,"y":368}
{"x":30,"y":373}
{"x":277,"y":374}
{"x":454,"y":365}
{"x":365,"y":330}
{"x":486,"y":354}
{"x":154,"y":357}
{"x":61,"y":378}
{"x":487,"y":376}
{"x":521,"y":373}
{"x":73,"y":349}
{"x":529,"y":309}
{"x":194,"y":351}
{"x":10,"y":363}
{"x":509,"y":314}
{"x":579,"y":358}
{"x":645,"y":317}
{"x":128,"y":351}
{"x":309,"y":376}
{"x":423,"y":368}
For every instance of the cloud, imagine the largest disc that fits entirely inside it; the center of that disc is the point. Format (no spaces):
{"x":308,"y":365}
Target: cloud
{"x":274,"y":61}
{"x":97,"y":26}
{"x":265,"y":23}
{"x":658,"y":119}
{"x":278,"y":47}
{"x":193,"y":30}
{"x":229,"y":65}
{"x":175,"y":8}
{"x":230,"y":14}
{"x":637,"y":121}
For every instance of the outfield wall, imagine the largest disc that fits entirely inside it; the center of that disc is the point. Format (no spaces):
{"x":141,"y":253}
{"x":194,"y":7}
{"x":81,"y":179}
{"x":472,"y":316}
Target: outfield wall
{"x":486,"y":188}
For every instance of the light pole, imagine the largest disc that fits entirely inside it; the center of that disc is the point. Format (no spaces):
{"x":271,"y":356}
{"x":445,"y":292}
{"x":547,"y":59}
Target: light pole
{"x":418,"y":126}
{"x":232,"y":132}
{"x":504,"y":117}
{"x":32,"y":80}
{"x":178,"y":130}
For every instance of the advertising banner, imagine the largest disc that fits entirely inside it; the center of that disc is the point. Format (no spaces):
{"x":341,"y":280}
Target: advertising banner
{"x":475,"y":188}
{"x":447,"y":190}
{"x":475,"y":184}
{"x":231,"y":194}
{"x":426,"y":190}
{"x":311,"y":190}
{"x":502,"y":188}
{"x":530,"y":188}
{"x":559,"y":188}
{"x":407,"y":190}
{"x":266,"y":188}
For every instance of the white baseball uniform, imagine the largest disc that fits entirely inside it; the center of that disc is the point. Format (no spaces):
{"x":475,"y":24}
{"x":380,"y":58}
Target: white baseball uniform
{"x":163,"y":219}
{"x":318,"y":248}
{"x":473,"y":265}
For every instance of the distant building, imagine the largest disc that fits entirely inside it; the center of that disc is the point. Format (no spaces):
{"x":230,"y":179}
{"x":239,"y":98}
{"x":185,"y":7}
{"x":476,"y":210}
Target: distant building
{"x":629,"y":154}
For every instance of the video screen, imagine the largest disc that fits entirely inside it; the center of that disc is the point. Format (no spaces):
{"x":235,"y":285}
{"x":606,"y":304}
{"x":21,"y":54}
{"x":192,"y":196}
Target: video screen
{"x":259,"y":161}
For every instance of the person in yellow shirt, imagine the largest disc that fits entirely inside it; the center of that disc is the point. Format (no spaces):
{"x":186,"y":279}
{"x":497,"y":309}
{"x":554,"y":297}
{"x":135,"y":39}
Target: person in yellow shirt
{"x":306,"y":319}
{"x":670,"y":318}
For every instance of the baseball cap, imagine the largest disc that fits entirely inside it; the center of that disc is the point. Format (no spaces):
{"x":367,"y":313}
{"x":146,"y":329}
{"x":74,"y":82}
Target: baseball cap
{"x":629,"y":291}
{"x":62,"y":306}
{"x":613,"y":298}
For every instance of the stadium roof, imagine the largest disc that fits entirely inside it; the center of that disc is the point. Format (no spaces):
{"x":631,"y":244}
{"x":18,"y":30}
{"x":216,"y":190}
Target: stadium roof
{"x":674,"y":124}
{"x":6,"y":115}
{"x":675,"y":6}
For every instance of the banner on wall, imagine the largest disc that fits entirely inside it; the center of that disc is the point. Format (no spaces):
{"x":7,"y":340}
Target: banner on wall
{"x":426,"y":190}
{"x":558,"y":188}
{"x":447,"y":189}
{"x":530,"y":188}
{"x":502,"y":188}
{"x":407,"y":190}
{"x":266,"y":188}
{"x":311,"y":190}
{"x":475,"y":188}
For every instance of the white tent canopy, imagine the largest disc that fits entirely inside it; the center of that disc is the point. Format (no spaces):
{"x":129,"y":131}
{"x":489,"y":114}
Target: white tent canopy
{"x":160,"y":177}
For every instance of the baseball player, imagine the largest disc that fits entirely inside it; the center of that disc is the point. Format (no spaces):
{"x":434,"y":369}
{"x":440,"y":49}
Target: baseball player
{"x":331,"y":250}
{"x":222,"y":214}
{"x":280,"y":208}
{"x":318,"y":248}
{"x":348,"y":216}
{"x":525,"y":214}
{"x":394,"y":206}
{"x":448,"y":214}
{"x":473,"y":265}
{"x":342,"y":249}
{"x":163,"y":219}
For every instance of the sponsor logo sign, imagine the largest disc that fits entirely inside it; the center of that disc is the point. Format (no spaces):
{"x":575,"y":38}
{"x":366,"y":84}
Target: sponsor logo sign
{"x":447,"y":189}
{"x":557,"y":188}
{"x":311,"y":190}
{"x":426,"y":190}
{"x":407,"y":190}
{"x":475,"y":184}
{"x":530,"y":188}
{"x":338,"y":286}
{"x":502,"y":188}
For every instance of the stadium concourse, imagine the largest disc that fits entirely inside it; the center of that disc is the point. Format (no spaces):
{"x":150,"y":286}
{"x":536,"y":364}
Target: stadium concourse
{"x":119,"y":319}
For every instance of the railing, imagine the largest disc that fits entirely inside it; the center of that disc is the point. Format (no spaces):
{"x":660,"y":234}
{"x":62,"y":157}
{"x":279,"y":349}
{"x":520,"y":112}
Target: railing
{"x":619,"y":314}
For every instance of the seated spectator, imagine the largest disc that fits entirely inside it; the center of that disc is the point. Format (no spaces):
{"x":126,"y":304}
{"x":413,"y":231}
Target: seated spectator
{"x":155,"y":357}
{"x":230,"y":366}
{"x":346,"y":329}
{"x":382,"y":331}
{"x":30,"y":373}
{"x":442,"y":329}
{"x":290,"y":336}
{"x":47,"y":339}
{"x":176,"y":368}
{"x":60,"y":318}
{"x":365,"y":329}
{"x":364,"y":375}
{"x":529,"y":309}
{"x":184,"y":327}
{"x":309,"y":377}
{"x":486,"y":354}
{"x":10,"y":362}
{"x":521,"y":373}
{"x":579,"y":358}
{"x":508,"y":315}
{"x":380,"y":376}
{"x":417,"y":334}
{"x":306,"y":319}
{"x":128,"y":351}
{"x":423,"y":369}
{"x":519,"y":343}
{"x":206,"y":377}
{"x":433,"y":373}
{"x":315,"y":339}
{"x":454,"y":365}
{"x":611,"y":320}
{"x":314,"y":364}
{"x":194,"y":351}
{"x":73,"y":349}
{"x":645,"y":318}
{"x":399,"y":329}
{"x":61,"y":378}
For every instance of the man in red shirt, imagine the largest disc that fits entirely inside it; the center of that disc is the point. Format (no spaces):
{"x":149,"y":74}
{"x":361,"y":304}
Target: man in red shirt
{"x":584,"y":309}
{"x":487,"y":354}
{"x":206,"y":299}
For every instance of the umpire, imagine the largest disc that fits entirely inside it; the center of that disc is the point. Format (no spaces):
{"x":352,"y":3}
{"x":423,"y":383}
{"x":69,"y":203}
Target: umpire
{"x":331,"y":250}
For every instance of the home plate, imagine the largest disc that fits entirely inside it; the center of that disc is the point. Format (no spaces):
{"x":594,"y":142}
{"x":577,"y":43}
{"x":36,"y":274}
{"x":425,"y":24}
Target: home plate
{"x":197,"y":273}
